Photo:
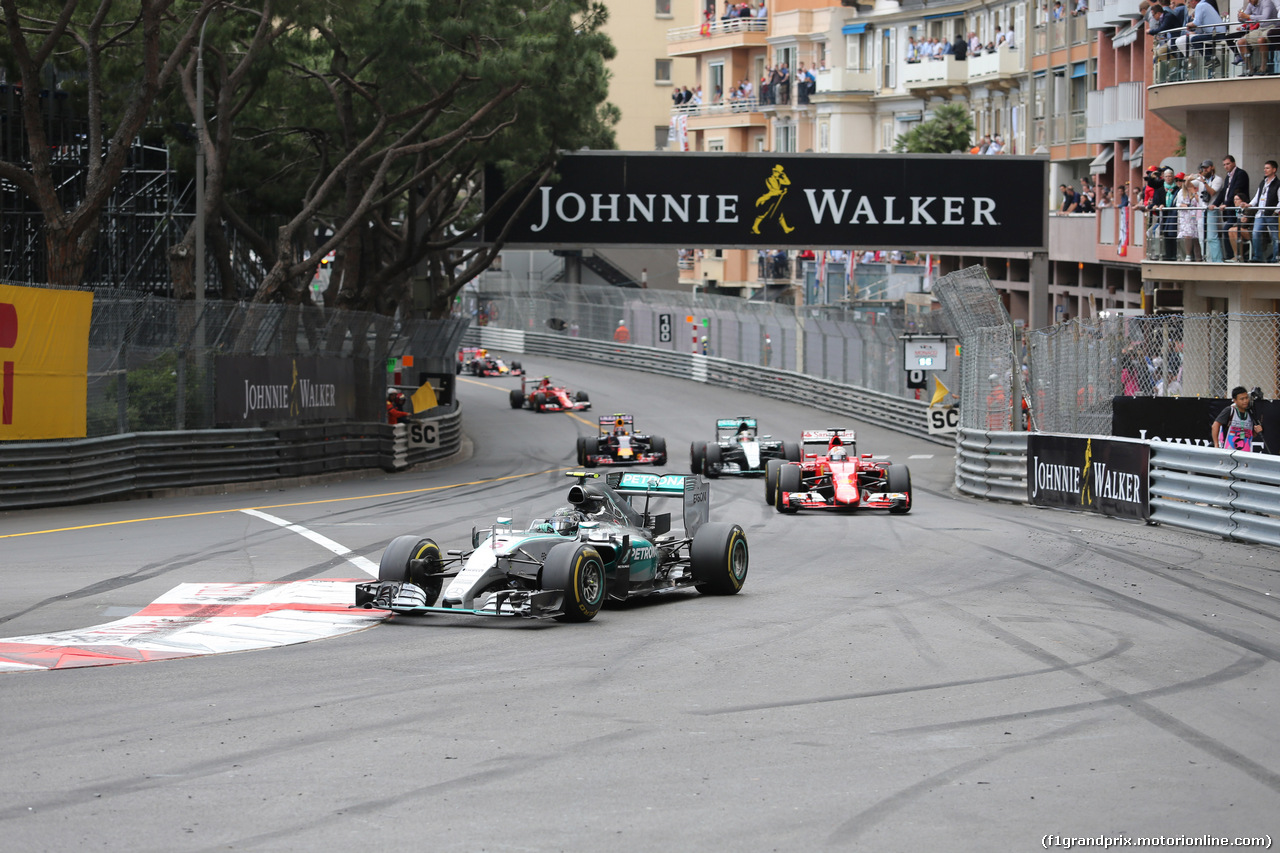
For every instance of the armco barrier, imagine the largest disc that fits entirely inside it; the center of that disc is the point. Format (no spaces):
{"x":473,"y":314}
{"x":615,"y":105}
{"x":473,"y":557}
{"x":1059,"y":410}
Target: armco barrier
{"x":52,"y":473}
{"x":883,"y":410}
{"x":1234,"y":495}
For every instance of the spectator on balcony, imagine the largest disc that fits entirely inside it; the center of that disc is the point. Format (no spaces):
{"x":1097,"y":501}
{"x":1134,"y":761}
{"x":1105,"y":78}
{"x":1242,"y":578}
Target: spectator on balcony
{"x":1255,"y":42}
{"x":960,"y":48}
{"x":1240,"y":229}
{"x":1234,"y":181}
{"x":1265,"y":201}
{"x":1210,"y":186}
{"x":1069,"y":201}
{"x":1088,"y":202}
{"x":913,"y":52}
{"x":975,"y":44}
{"x":1166,"y":212}
{"x":783,"y":93}
{"x":1082,"y":7}
{"x":761,"y":11}
{"x":1057,"y":10}
{"x":996,"y":146}
{"x":1203,"y":27}
{"x":1190,"y":214}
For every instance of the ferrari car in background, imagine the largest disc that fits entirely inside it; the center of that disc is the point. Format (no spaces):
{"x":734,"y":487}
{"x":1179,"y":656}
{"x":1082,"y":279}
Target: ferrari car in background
{"x":832,"y":476}
{"x":545,"y":397}
{"x":738,"y":450}
{"x":607,"y":543}
{"x":479,"y":362}
{"x":617,"y":443}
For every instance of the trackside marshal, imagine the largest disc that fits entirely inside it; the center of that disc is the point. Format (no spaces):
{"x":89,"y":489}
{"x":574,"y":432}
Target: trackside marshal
{"x":926,"y":202}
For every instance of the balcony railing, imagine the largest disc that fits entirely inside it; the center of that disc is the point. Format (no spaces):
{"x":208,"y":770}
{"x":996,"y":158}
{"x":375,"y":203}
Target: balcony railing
{"x":846,"y":80}
{"x":1211,"y":56}
{"x":723,"y":107}
{"x":1079,"y":125}
{"x":1004,"y":62}
{"x":929,"y":73}
{"x":1196,"y":234}
{"x":719,"y":28}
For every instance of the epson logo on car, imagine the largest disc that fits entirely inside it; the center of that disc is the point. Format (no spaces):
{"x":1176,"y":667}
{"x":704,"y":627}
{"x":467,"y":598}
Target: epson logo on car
{"x":644,"y":552}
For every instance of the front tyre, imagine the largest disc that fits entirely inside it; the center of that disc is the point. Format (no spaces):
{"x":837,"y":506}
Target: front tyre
{"x":771,"y":469}
{"x":789,"y":480}
{"x":582,"y":450}
{"x":897,"y":478}
{"x":711,"y":461}
{"x":540,"y":402}
{"x":516,"y":398}
{"x":394,"y":565}
{"x":577,"y":569}
{"x":718,"y":557}
{"x":658,"y":447}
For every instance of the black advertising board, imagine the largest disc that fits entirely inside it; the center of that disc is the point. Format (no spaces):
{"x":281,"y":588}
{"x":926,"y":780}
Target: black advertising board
{"x":1097,"y":474}
{"x":926,"y":202}
{"x":264,"y":389}
{"x":1184,"y":420}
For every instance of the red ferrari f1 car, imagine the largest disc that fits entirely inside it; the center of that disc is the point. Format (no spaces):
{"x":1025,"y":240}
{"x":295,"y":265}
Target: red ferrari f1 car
{"x":836,"y":478}
{"x":545,"y":397}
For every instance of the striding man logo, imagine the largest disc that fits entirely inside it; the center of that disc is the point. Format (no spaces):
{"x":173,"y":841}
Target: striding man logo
{"x":771,"y":202}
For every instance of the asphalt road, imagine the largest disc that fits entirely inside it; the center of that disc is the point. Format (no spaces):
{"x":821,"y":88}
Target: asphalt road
{"x":972,"y":676}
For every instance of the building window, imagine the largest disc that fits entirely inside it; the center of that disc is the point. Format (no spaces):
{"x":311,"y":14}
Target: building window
{"x":715,"y":144}
{"x":662,"y":72}
{"x":824,"y":137}
{"x":661,"y":137}
{"x":888,"y":78}
{"x":784,"y":138}
{"x":715,"y":79}
{"x":662,"y":8}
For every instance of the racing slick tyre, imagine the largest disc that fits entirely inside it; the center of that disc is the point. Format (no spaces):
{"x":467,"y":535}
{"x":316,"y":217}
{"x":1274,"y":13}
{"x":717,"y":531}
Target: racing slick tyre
{"x":897,"y":478}
{"x":790,"y":451}
{"x":718,"y":556}
{"x":539,"y":402}
{"x":577,"y":569}
{"x":394,"y":565}
{"x":582,"y":450}
{"x":658,"y":447}
{"x":789,"y":480}
{"x":711,"y":461}
{"x":581,"y":397}
{"x":771,"y":469}
{"x":516,"y":367}
{"x":697,"y":456}
{"x":517,"y":399}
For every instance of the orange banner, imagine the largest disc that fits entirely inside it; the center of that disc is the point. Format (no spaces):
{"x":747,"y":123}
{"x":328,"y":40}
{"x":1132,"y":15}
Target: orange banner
{"x":44,"y":356}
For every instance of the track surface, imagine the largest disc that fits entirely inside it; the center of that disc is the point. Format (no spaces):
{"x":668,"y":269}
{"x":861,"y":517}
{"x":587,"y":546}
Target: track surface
{"x":972,"y":676}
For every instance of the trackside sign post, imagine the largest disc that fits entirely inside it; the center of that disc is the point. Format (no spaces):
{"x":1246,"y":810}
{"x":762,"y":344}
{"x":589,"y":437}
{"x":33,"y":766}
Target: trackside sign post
{"x":925,"y":201}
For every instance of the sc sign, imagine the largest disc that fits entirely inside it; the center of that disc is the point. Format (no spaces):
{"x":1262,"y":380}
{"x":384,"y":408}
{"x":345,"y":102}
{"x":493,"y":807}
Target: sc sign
{"x":424,"y":433}
{"x":943,"y":420}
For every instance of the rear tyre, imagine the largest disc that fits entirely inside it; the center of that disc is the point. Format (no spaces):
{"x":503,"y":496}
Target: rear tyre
{"x":897,"y":478}
{"x":658,"y":446}
{"x":789,"y":480}
{"x":771,"y":469}
{"x":791,"y":451}
{"x":394,"y":565}
{"x":718,"y":557}
{"x":697,"y":456}
{"x":516,"y":398}
{"x":711,"y":461}
{"x":577,"y":569}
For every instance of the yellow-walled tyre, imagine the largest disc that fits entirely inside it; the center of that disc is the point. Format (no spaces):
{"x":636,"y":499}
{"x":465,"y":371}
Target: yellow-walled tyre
{"x":719,"y":557}
{"x":578,"y":569}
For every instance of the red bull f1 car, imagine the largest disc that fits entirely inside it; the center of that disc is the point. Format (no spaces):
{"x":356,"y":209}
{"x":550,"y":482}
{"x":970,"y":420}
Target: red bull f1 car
{"x":479,"y":362}
{"x":606,"y":544}
{"x":545,"y":397}
{"x":832,"y":476}
{"x":617,"y":443}
{"x":738,"y":450}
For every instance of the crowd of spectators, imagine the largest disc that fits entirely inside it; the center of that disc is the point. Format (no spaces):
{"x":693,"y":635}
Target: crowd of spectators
{"x":988,"y":145}
{"x":960,"y":48}
{"x":1192,"y":29}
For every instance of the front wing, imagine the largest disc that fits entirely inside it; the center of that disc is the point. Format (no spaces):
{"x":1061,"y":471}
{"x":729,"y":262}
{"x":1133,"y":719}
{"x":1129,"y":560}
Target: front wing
{"x":868,"y":500}
{"x":410,"y":600}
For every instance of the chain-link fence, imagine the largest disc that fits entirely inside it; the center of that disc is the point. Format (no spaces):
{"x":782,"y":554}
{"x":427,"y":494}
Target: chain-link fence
{"x":1077,"y":367}
{"x":854,"y":346}
{"x":151,"y":361}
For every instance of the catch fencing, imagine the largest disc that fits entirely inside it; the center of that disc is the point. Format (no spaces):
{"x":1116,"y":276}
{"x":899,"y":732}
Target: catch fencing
{"x":838,"y":343}
{"x":151,"y":361}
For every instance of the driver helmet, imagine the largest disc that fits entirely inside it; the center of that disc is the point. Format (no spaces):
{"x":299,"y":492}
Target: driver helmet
{"x":619,"y":427}
{"x":838,"y":453}
{"x":546,"y":382}
{"x":565,"y":521}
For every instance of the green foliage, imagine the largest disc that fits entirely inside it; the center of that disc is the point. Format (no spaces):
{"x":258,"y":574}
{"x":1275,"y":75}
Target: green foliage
{"x":151,"y":402}
{"x":950,"y":130}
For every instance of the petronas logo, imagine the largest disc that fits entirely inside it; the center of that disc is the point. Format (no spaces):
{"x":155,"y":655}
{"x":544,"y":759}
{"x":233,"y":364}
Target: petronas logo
{"x":770,"y":204}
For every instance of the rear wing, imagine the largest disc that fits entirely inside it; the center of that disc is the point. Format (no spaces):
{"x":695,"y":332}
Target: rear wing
{"x":732,"y":425}
{"x":628,"y":421}
{"x":691,"y":488}
{"x":823,"y":437}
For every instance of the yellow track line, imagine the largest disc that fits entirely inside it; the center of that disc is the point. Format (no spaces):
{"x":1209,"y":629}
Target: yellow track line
{"x":281,"y":506}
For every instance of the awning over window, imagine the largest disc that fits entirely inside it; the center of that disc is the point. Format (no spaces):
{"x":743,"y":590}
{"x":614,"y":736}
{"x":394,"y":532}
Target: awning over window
{"x":853,"y":29}
{"x":1135,"y":158}
{"x":944,"y":15}
{"x":1099,"y":164}
{"x":1128,"y":35}
{"x":1079,"y":69}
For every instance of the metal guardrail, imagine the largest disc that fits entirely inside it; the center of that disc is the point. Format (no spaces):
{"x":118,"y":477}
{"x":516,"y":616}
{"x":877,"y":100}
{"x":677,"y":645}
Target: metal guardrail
{"x":883,"y":410}
{"x":1231,"y":494}
{"x":56,"y":473}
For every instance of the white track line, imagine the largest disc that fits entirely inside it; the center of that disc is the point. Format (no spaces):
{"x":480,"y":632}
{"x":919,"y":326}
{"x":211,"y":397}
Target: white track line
{"x":365,"y":565}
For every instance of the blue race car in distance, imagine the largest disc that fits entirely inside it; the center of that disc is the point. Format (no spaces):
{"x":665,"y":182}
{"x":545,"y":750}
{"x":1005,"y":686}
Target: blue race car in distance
{"x":606,"y":544}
